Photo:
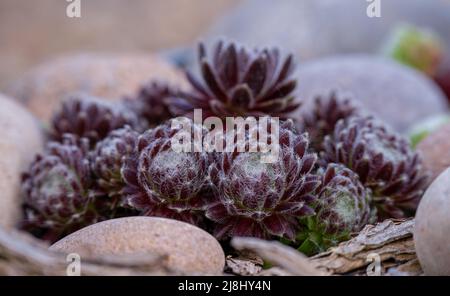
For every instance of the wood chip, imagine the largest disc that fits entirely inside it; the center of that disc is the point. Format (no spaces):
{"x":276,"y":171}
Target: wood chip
{"x":410,"y":268}
{"x":389,"y":242}
{"x":279,"y":255}
{"x":242,"y":266}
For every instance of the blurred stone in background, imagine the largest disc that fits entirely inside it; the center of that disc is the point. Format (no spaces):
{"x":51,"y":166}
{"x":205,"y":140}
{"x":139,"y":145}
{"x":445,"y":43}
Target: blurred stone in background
{"x":317,"y":28}
{"x":105,"y":75}
{"x":34,"y":31}
{"x":397,"y":94}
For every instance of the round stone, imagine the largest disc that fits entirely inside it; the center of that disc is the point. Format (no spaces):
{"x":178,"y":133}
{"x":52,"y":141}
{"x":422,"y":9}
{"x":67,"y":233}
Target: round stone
{"x":432,"y":227}
{"x":21,"y":140}
{"x":435,"y":150}
{"x":110,"y":76}
{"x":190,"y":250}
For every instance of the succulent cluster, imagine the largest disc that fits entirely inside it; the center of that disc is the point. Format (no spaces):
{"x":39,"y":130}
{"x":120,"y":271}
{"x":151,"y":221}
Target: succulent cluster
{"x":238,"y":81}
{"x":384,"y":162}
{"x":58,"y":189}
{"x":339,"y":171}
{"x":91,"y":118}
{"x":72,"y":185}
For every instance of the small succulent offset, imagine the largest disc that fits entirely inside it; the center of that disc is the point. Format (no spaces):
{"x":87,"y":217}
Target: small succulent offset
{"x":107,"y":160}
{"x":57,"y":190}
{"x":152,"y":103}
{"x":91,"y":118}
{"x":384,"y":162}
{"x":264,"y":200}
{"x":164,"y":182}
{"x":343,"y":207}
{"x":238,"y":81}
{"x":320,"y":119}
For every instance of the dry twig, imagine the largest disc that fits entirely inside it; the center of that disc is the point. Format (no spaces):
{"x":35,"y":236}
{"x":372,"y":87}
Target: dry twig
{"x":21,"y":254}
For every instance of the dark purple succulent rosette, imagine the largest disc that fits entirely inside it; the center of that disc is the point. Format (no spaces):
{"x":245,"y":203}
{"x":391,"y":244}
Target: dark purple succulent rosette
{"x":57,"y":189}
{"x":259,"y":199}
{"x":344,"y":204}
{"x":106,"y":161}
{"x":163,"y":182}
{"x":152,"y":103}
{"x":91,"y":118}
{"x":384,"y":162}
{"x":320,"y":118}
{"x":238,"y":81}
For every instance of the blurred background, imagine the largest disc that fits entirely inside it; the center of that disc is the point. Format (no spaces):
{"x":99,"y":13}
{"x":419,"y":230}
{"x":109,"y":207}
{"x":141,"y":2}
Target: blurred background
{"x":34,"y":31}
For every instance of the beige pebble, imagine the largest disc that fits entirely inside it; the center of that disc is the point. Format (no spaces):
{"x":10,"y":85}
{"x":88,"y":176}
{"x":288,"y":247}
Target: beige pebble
{"x":432,"y":227}
{"x":110,"y":76}
{"x":9,"y":185}
{"x":435,"y":150}
{"x":21,"y":140}
{"x":190,"y":249}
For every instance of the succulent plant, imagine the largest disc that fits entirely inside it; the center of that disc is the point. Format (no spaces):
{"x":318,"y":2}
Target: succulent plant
{"x":265,"y":200}
{"x":320,"y":119}
{"x":343,"y":206}
{"x":107,"y":159}
{"x":92,"y":118}
{"x":384,"y":162}
{"x":238,"y":81}
{"x":416,"y":47}
{"x":164,"y":182}
{"x":152,"y":103}
{"x":423,"y":50}
{"x":57,"y":189}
